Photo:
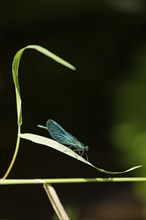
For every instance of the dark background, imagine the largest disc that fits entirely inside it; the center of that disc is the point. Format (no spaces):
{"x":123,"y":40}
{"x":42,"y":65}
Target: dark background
{"x":102,"y":103}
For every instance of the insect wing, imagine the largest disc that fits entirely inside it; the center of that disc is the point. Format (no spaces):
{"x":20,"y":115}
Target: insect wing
{"x":59,"y":134}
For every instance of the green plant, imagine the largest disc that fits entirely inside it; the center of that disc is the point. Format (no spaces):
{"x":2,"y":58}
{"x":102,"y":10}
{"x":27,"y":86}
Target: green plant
{"x":51,"y":143}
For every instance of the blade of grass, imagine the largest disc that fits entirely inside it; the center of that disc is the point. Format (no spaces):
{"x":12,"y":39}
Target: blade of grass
{"x":55,"y":201}
{"x":51,"y":55}
{"x":60,"y":147}
{"x":15,"y":73}
{"x":14,"y":156}
{"x":72,"y":180}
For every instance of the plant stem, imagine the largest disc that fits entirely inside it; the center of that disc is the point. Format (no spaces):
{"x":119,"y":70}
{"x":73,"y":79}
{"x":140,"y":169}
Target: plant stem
{"x":13,"y":158}
{"x":71,"y":180}
{"x":55,"y":201}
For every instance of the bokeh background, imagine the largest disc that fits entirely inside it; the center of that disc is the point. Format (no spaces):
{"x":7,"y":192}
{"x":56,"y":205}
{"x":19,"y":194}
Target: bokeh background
{"x":102,"y":103}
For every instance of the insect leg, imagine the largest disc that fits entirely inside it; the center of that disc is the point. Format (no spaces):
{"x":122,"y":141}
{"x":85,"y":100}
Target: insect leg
{"x":83,"y":152}
{"x":68,"y":147}
{"x":86,"y":155}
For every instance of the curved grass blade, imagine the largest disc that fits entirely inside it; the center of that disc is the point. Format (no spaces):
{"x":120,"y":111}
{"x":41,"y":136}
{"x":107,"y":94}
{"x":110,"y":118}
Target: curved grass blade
{"x":15,"y":73}
{"x":60,"y":147}
{"x":15,"y":68}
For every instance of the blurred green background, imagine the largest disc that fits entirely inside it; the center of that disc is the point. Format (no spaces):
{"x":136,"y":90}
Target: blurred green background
{"x":102,"y":103}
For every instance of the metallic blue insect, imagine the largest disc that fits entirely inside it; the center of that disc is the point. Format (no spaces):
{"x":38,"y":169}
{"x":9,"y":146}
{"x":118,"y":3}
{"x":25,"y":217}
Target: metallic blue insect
{"x":62,"y":136}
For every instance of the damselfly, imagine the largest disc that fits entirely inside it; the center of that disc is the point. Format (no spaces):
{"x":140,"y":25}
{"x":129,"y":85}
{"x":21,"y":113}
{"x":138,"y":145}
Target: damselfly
{"x":62,"y":136}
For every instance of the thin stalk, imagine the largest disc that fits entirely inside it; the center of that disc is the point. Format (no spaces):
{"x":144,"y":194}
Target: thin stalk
{"x":14,"y":156}
{"x":71,"y":180}
{"x":55,"y":201}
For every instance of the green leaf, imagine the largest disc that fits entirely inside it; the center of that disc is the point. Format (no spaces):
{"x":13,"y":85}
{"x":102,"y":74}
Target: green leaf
{"x":62,"y":148}
{"x":15,"y":68}
{"x":36,"y":138}
{"x":51,"y":55}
